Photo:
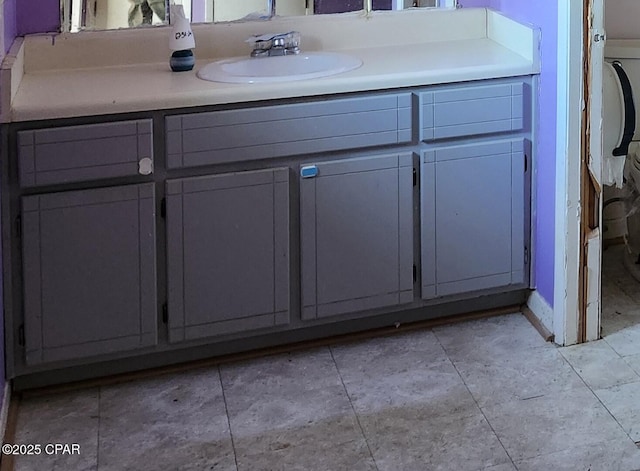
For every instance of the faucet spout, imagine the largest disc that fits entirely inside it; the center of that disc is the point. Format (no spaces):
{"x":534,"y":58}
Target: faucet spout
{"x":282,"y":44}
{"x":271,"y":8}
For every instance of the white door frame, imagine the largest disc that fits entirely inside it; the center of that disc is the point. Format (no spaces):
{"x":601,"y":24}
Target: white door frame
{"x":568,"y":161}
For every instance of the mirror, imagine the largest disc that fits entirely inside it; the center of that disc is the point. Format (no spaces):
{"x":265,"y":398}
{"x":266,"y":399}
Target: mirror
{"x":81,"y":15}
{"x":403,"y":4}
{"x":114,"y":14}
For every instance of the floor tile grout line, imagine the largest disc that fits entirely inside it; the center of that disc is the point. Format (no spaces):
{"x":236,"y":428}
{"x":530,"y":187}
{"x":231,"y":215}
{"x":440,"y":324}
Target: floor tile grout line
{"x":598,"y":398}
{"x":618,"y":281}
{"x":475,"y":400}
{"x":628,"y":363}
{"x":355,"y":413}
{"x":565,"y":360}
{"x":603,"y":338}
{"x":636,"y":380}
{"x":226,"y":409}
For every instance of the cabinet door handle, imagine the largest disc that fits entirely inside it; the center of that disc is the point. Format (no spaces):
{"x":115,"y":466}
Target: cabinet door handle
{"x":145,"y":166}
{"x":309,"y":171}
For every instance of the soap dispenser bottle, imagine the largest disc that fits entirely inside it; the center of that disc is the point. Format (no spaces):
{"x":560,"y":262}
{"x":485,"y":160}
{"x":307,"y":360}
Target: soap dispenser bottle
{"x":181,"y":40}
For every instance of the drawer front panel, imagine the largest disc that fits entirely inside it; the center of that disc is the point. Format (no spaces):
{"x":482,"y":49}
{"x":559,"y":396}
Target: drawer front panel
{"x":472,"y":111}
{"x":284,"y":130}
{"x":85,"y":152}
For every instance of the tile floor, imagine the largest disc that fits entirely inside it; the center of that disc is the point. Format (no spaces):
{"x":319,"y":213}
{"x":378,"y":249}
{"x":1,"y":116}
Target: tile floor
{"x":482,"y":395}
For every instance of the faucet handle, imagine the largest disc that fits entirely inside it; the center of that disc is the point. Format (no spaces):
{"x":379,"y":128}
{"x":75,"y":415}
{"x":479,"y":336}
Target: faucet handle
{"x":294,"y":39}
{"x":260,"y":44}
{"x":275,"y":44}
{"x":262,"y":41}
{"x":288,"y":40}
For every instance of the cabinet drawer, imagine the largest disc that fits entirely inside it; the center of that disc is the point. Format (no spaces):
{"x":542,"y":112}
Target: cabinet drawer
{"x":283,"y":130}
{"x":85,"y":152}
{"x":472,"y":110}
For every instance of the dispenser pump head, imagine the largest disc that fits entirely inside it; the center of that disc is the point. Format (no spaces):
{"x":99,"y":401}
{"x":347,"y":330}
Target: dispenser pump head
{"x":181,"y":37}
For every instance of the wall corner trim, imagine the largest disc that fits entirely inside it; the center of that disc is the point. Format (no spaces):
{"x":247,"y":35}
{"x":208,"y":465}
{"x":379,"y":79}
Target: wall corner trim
{"x":541,"y":309}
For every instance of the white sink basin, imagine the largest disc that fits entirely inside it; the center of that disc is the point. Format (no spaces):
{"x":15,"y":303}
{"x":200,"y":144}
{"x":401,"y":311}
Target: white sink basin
{"x":279,"y":68}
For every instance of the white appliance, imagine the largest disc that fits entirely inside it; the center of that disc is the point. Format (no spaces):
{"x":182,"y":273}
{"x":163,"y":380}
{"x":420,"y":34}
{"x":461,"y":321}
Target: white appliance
{"x":621,"y":83}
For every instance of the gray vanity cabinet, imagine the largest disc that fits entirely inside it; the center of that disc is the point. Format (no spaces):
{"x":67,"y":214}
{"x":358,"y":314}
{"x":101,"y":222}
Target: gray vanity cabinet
{"x":227,"y":253}
{"x":89,"y":272}
{"x":278,"y":221}
{"x":356,"y":224}
{"x":473,"y":217}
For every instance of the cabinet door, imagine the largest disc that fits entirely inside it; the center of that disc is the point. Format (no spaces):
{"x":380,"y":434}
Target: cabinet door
{"x":473,"y":217}
{"x":356,"y":234}
{"x":228,"y":253}
{"x":89,"y":272}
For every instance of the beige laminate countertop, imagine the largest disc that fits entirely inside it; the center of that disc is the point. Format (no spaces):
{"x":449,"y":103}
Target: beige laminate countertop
{"x":88,"y":91}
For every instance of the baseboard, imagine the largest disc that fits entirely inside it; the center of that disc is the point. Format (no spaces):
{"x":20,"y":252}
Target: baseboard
{"x":4,"y":413}
{"x":541,"y":311}
{"x":9,"y":418}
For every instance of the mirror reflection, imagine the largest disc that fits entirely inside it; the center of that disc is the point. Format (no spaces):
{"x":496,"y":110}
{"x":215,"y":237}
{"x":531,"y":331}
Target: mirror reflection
{"x":114,"y":14}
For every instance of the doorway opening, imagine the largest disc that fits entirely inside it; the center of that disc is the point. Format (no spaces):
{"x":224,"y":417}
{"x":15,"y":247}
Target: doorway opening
{"x":620,"y":276}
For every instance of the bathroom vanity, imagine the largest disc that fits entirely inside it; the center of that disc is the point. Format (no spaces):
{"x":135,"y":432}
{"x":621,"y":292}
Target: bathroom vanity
{"x":199,"y":219}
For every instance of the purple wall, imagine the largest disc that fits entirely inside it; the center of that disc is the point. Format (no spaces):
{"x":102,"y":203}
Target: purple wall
{"x":198,"y":11}
{"x":336,"y":6}
{"x":10,"y":28}
{"x":381,"y":5}
{"x":38,"y":16}
{"x":474,"y":3}
{"x":544,"y":15}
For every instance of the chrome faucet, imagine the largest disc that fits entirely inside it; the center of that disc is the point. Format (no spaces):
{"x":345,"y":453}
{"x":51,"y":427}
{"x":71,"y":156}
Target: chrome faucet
{"x":282,"y":44}
{"x":271,"y":8}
